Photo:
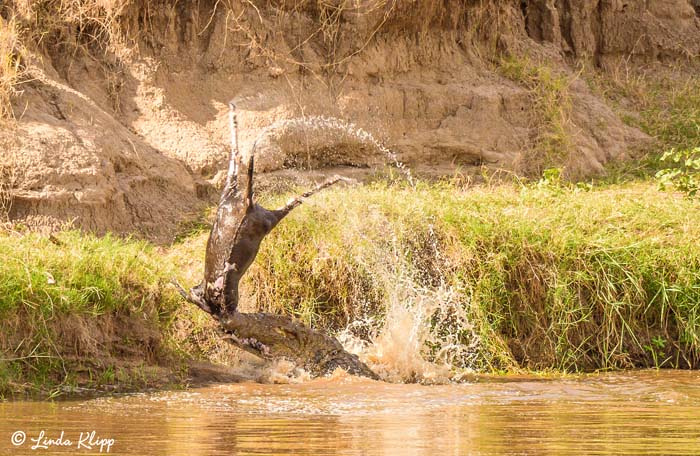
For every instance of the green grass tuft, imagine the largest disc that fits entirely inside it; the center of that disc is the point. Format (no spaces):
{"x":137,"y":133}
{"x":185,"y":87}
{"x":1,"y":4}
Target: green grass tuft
{"x":81,"y":309}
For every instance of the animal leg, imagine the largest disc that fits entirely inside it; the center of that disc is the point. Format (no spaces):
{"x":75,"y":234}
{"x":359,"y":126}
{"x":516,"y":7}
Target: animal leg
{"x":249,"y":184}
{"x":193,"y":298}
{"x":296,"y":202}
{"x":231,"y":185}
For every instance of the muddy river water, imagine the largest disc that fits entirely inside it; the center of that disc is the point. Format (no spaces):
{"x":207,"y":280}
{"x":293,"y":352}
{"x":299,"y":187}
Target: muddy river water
{"x":645,"y":412}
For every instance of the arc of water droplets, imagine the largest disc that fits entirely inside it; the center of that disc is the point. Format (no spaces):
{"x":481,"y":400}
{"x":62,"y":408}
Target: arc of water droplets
{"x":321,"y":123}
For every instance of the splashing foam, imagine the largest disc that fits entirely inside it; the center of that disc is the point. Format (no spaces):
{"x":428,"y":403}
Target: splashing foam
{"x":284,"y":372}
{"x":426,"y":337}
{"x":425,"y":334}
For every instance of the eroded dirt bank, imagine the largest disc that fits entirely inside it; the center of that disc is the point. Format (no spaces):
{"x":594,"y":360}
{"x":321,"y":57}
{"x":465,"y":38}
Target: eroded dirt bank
{"x":121,"y":121}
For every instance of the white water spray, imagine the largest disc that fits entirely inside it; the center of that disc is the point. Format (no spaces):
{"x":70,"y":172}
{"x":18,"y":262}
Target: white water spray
{"x":333,"y":125}
{"x":425,"y":337}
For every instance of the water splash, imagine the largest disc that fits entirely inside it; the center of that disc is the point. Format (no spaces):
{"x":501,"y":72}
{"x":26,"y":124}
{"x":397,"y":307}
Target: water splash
{"x":425,"y":333}
{"x":425,"y":337}
{"x":284,"y":372}
{"x":333,"y":125}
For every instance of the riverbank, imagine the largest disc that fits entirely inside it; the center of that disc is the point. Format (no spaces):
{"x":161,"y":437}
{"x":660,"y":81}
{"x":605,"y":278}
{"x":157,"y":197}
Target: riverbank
{"x":80,"y":311}
{"x":425,"y":283}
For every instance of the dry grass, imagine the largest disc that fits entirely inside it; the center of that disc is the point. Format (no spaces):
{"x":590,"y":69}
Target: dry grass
{"x":667,"y":99}
{"x":551,"y":107}
{"x":72,"y":25}
{"x":336,"y":32}
{"x":661,"y":100}
{"x":11,"y":72}
{"x":55,"y":20}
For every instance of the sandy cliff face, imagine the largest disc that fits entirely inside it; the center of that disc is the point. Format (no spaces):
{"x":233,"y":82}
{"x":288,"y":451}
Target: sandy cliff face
{"x":608,"y":30}
{"x":76,"y":162}
{"x":131,"y":133}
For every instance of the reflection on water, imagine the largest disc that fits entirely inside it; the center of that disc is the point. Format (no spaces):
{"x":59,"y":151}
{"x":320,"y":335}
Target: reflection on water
{"x":628,"y":413}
